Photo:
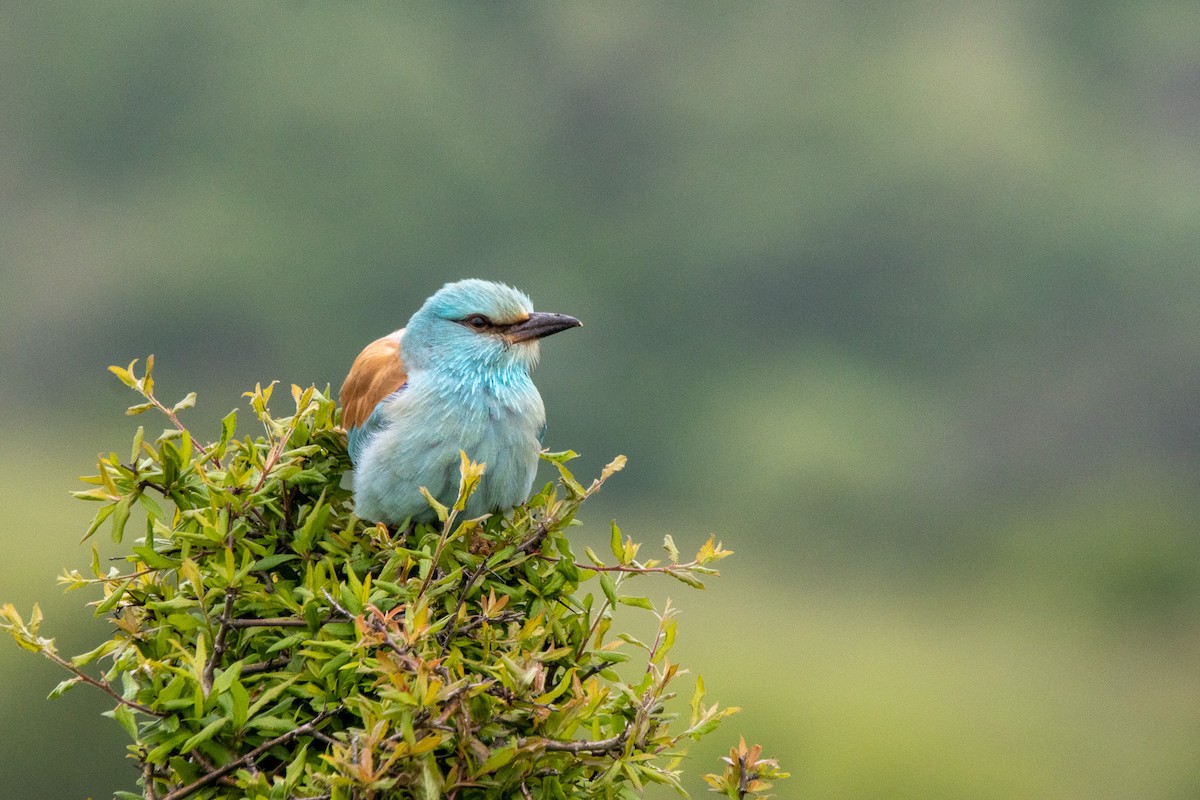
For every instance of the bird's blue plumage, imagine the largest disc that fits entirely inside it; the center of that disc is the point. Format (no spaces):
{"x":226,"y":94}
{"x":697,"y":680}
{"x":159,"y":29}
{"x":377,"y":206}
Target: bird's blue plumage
{"x":358,"y":436}
{"x":467,"y":354}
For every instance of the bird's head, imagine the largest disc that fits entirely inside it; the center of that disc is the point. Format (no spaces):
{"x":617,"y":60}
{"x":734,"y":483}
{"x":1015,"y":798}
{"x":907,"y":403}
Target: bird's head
{"x":478,"y":325}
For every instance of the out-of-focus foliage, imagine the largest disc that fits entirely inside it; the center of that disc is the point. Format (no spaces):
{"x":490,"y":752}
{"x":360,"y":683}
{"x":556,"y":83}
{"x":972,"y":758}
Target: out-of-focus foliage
{"x":270,"y":644}
{"x":902,"y":297}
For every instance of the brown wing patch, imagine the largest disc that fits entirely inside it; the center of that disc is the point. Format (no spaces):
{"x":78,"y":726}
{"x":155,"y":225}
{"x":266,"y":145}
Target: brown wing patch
{"x":377,"y":372}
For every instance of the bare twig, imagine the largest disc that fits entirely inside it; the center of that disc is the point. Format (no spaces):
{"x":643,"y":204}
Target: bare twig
{"x":175,"y":421}
{"x":583,"y":644}
{"x":70,"y":578}
{"x":328,"y":740}
{"x":307,"y":729}
{"x":443,"y":537}
{"x":101,"y":685}
{"x":580,"y":745}
{"x":478,"y":622}
{"x":534,"y":542}
{"x":148,"y":782}
{"x":275,"y":622}
{"x":203,"y":761}
{"x":637,"y":569}
{"x":218,"y":650}
{"x":277,"y":451}
{"x":344,"y":612}
{"x":266,"y":666}
{"x":462,"y":601}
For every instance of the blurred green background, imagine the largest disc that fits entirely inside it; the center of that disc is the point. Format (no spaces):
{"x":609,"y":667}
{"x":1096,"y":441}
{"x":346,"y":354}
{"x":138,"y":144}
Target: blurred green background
{"x":900,"y":301}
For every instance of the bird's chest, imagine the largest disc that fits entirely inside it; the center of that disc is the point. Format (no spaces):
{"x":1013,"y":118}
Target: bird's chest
{"x":498,"y":424}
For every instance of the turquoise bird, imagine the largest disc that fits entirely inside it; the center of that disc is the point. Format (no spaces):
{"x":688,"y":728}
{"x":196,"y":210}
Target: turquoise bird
{"x":456,"y":378}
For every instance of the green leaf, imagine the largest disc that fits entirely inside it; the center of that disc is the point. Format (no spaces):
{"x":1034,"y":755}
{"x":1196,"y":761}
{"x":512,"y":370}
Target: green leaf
{"x":568,"y":480}
{"x":591,"y":555}
{"x":104,"y":513}
{"x":99,"y":493}
{"x":123,"y":714}
{"x":120,"y":516}
{"x":225,"y":678}
{"x":497,"y":759}
{"x":110,"y":602}
{"x":103,"y":649}
{"x":228,"y":426}
{"x":271,"y":723}
{"x":152,"y":558}
{"x":697,"y":698}
{"x":442,"y":511}
{"x":672,"y":550}
{"x":63,"y":687}
{"x":205,"y":733}
{"x":336,"y":663}
{"x":240,"y":704}
{"x":270,"y":562}
{"x":125,"y":375}
{"x":686,"y":577}
{"x":295,"y":770}
{"x":609,"y":588}
{"x":153,"y":509}
{"x":137,"y":445}
{"x":271,"y":694}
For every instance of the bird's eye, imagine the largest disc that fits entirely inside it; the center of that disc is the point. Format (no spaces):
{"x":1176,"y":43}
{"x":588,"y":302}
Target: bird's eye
{"x":477,"y":321}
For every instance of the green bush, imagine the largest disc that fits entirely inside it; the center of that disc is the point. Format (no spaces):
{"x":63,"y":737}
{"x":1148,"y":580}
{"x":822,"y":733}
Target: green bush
{"x":269,"y":644}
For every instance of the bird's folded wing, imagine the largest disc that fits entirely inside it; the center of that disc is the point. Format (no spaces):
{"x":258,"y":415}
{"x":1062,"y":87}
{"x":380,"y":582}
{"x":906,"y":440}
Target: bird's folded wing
{"x":376,"y":373}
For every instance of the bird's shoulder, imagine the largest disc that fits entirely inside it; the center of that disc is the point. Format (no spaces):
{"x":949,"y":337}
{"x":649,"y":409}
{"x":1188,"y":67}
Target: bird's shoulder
{"x":377,"y":372}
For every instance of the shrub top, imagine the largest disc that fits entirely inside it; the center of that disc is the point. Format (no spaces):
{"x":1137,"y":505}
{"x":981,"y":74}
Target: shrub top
{"x":269,"y":644}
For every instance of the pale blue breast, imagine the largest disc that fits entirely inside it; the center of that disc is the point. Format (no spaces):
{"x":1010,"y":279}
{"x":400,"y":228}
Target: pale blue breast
{"x":417,"y":435}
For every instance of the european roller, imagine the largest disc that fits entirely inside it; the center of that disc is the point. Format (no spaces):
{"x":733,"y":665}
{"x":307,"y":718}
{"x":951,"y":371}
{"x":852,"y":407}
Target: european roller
{"x":456,"y":378}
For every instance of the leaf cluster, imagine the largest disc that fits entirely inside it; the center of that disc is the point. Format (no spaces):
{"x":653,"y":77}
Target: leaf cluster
{"x":269,"y":644}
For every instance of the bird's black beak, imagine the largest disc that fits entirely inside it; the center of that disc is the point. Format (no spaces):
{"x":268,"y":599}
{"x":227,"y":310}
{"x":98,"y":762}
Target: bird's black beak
{"x":539,"y":325}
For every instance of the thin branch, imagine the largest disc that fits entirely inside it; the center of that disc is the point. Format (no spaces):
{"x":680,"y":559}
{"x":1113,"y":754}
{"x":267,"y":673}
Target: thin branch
{"x":534,"y":542}
{"x":443,"y":538}
{"x":579,"y":745}
{"x":307,"y":729}
{"x":636,"y":569}
{"x":338,"y":606}
{"x":109,"y":579}
{"x":148,"y":782}
{"x":101,"y":685}
{"x":462,"y":601}
{"x":277,"y":451}
{"x":583,"y":645}
{"x":275,"y":622}
{"x":200,"y":758}
{"x":328,"y":740}
{"x":266,"y":666}
{"x":206,"y":679}
{"x":175,"y":421}
{"x":478,"y":622}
